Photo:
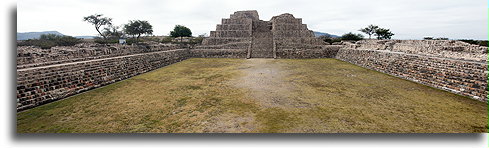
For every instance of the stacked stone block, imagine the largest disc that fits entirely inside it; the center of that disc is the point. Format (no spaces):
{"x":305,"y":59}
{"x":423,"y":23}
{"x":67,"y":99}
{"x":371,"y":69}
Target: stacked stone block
{"x":280,"y":37}
{"x":40,"y":85}
{"x":30,"y":56}
{"x":293,"y":39}
{"x":464,"y":77}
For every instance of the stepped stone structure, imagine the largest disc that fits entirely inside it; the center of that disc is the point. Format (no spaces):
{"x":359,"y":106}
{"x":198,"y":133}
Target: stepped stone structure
{"x":46,"y":75}
{"x":245,"y":32}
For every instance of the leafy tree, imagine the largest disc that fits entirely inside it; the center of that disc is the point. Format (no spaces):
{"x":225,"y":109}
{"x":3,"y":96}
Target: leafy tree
{"x":352,"y":37}
{"x":98,"y":21}
{"x":369,"y":30}
{"x":180,"y":31}
{"x":382,"y":34}
{"x":138,"y":27}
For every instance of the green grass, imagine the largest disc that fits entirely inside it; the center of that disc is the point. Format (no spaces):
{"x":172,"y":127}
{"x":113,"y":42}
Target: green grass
{"x":196,"y":96}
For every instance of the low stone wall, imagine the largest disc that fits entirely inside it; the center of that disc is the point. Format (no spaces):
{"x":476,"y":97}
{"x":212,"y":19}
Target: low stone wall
{"x":328,"y":51}
{"x":219,"y":53}
{"x":468,"y":78}
{"x":40,"y":85}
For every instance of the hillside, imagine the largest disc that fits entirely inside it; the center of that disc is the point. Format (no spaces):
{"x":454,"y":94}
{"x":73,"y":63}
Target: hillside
{"x":35,"y":35}
{"x":318,"y":34}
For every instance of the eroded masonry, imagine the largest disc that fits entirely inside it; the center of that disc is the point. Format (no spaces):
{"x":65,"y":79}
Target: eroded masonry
{"x":244,"y":35}
{"x":48,"y":75}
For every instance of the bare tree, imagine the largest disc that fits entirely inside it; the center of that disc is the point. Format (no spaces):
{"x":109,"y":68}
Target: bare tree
{"x":98,"y":21}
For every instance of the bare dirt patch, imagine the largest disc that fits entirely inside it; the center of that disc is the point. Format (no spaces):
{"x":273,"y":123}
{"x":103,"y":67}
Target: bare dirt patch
{"x":266,"y":83}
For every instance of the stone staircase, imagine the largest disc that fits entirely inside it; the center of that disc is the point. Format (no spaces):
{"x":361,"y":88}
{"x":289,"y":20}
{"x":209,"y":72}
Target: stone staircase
{"x":262,"y":40}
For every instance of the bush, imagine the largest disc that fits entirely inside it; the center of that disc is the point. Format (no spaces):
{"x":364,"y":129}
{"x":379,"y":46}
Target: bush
{"x":352,"y":37}
{"x":476,"y":42}
{"x":46,"y":41}
{"x":329,"y":39}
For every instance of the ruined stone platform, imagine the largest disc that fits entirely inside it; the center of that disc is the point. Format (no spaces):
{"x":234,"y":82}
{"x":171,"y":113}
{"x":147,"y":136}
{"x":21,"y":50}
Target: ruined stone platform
{"x":261,"y":39}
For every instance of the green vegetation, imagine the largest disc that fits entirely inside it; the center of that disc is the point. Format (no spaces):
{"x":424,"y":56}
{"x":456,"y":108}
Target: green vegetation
{"x":138,"y":28}
{"x":200,"y":95}
{"x":476,"y":42}
{"x":46,"y":41}
{"x":329,"y":39}
{"x":369,"y":30}
{"x":381,"y":33}
{"x":352,"y":37}
{"x":180,"y":31}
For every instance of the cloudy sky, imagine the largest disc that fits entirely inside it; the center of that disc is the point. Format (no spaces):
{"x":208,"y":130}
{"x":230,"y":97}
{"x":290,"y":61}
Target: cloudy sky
{"x":408,"y":19}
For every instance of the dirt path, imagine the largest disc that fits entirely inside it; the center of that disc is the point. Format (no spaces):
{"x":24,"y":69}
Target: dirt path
{"x":265,"y":79}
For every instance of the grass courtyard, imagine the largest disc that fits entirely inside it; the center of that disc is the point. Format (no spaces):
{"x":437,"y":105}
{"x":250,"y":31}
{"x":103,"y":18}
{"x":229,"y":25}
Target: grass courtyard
{"x":260,"y":96}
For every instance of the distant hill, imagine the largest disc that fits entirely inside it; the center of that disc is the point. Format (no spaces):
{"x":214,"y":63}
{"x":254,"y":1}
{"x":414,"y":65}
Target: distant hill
{"x":318,"y":34}
{"x":36,"y":35}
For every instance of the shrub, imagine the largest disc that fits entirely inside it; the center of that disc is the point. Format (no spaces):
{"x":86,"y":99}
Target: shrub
{"x":46,"y":41}
{"x":476,"y":42}
{"x":352,"y":37}
{"x":329,"y":39}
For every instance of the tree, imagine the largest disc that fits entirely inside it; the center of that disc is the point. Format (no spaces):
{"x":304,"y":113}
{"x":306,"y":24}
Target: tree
{"x":369,"y":30}
{"x":382,"y":34}
{"x":98,"y":21}
{"x":352,"y":37}
{"x":138,"y":27}
{"x":113,"y":32}
{"x":180,"y":31}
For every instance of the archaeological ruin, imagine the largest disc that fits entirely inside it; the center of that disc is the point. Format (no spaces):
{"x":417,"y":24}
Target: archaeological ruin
{"x":44,"y":76}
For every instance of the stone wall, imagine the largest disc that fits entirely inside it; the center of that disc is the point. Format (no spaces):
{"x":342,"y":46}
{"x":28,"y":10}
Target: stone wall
{"x":464,"y":77}
{"x":219,"y":53}
{"x":40,"y":85}
{"x":327,"y":51}
{"x":30,"y":56}
{"x":435,"y":48}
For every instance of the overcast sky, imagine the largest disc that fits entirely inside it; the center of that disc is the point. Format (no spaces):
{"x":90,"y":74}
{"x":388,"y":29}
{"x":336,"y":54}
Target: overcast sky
{"x":408,"y":19}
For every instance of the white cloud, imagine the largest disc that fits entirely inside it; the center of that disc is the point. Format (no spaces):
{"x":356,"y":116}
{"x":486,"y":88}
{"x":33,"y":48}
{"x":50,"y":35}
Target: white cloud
{"x":408,"y":19}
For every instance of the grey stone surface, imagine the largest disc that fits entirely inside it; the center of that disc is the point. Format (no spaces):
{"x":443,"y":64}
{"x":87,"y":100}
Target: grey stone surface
{"x":264,"y":39}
